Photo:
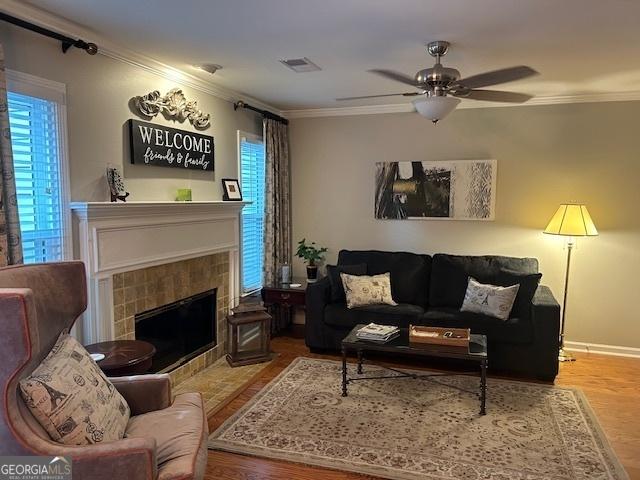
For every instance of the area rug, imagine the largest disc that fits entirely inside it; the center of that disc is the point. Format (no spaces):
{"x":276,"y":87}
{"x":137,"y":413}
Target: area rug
{"x":421,"y":428}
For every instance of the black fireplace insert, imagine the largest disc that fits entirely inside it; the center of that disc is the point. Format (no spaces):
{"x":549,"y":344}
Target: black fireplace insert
{"x":180,"y":330}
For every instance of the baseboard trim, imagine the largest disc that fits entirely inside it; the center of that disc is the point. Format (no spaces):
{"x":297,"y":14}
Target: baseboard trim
{"x":602,"y":349}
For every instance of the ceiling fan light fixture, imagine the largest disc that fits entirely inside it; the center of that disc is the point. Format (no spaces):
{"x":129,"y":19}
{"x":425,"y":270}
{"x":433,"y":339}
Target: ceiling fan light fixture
{"x":443,"y":85}
{"x":435,"y":107}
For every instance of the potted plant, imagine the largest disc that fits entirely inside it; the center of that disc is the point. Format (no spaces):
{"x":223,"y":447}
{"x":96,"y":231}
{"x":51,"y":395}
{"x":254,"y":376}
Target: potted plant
{"x":312,"y":254}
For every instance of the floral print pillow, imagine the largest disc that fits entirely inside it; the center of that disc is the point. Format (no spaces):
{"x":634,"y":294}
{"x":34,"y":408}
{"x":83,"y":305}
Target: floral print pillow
{"x":362,"y":290}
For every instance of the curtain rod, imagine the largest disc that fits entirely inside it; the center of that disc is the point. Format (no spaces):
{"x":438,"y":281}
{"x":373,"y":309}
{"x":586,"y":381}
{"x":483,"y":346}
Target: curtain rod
{"x":67,"y":42}
{"x":264,"y":113}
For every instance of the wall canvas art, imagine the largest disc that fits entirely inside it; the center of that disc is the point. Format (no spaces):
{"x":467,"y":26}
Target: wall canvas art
{"x":455,"y":190}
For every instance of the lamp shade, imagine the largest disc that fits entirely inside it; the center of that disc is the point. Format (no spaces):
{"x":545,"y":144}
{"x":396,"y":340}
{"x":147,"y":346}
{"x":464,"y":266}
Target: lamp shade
{"x":572,"y":220}
{"x":436,"y":107}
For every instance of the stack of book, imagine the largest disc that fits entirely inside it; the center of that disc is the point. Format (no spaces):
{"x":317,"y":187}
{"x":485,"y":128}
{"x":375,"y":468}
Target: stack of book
{"x":378,"y":333}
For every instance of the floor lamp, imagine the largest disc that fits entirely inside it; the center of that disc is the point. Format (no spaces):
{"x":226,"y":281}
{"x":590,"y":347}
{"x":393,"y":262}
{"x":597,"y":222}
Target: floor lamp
{"x":571,"y":220}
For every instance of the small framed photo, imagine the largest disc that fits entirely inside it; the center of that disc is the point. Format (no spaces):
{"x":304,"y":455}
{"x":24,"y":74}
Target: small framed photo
{"x":231,"y":189}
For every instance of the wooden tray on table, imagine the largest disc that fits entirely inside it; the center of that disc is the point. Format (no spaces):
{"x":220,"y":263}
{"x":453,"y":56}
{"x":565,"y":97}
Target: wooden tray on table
{"x":452,"y":337}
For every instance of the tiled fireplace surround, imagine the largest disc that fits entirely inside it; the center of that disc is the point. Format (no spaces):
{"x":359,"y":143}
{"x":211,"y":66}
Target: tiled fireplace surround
{"x":140,"y":290}
{"x":142,"y":255}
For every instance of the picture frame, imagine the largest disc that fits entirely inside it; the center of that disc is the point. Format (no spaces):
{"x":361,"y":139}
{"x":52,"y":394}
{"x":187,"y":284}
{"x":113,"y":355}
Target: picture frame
{"x":436,"y":190}
{"x":232,"y":192}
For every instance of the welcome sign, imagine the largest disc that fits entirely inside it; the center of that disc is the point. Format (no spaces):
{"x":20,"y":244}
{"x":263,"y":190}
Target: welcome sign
{"x":162,"y":146}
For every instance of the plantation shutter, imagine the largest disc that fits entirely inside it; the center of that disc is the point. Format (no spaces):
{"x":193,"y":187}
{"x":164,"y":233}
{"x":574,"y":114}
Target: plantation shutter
{"x":252,"y":185}
{"x":35,"y":142}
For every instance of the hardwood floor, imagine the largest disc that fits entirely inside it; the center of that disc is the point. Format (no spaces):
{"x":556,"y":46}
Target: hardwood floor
{"x":610,"y":383}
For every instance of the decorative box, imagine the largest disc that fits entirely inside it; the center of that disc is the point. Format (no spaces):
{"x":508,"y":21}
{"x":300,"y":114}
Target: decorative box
{"x":453,"y":337}
{"x":184,"y":195}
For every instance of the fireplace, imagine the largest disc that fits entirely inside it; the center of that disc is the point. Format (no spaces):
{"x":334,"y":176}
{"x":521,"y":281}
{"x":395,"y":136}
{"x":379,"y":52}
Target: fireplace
{"x":141,"y":256}
{"x":180,"y":331}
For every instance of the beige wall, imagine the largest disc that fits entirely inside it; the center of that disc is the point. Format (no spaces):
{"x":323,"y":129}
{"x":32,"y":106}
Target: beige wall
{"x":98,"y":92}
{"x":546,"y":155}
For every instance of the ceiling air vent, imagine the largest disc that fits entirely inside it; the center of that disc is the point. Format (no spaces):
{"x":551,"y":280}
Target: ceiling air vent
{"x":300,"y":65}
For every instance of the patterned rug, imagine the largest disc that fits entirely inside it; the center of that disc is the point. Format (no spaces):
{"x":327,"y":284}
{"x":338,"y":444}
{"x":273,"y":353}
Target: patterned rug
{"x":421,"y":429}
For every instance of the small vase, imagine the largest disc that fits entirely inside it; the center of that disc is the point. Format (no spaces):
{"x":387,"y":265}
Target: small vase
{"x":312,"y":273}
{"x":285,"y":273}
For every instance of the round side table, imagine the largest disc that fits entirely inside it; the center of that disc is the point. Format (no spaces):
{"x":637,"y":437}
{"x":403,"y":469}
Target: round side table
{"x":124,"y":357}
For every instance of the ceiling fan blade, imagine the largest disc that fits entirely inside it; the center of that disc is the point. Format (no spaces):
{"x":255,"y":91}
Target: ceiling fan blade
{"x":496,"y":77}
{"x":494,"y":96}
{"x":397,"y":76}
{"x":410,"y":94}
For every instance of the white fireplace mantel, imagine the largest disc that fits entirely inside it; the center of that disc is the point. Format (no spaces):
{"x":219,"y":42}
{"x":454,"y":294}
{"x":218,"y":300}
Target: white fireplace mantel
{"x":117,"y":237}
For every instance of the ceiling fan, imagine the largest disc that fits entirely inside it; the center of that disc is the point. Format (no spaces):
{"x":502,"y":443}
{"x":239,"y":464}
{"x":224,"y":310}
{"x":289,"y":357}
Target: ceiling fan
{"x":440,"y":88}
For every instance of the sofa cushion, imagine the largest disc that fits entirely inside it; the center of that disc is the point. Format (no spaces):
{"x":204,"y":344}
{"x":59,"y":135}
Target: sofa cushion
{"x":528,"y":283}
{"x":334,"y":271}
{"x":513,"y":330}
{"x":410,"y":272}
{"x":401,"y":315}
{"x":180,"y":432}
{"x":450,"y":275}
{"x":72,"y":399}
{"x":448,"y":283}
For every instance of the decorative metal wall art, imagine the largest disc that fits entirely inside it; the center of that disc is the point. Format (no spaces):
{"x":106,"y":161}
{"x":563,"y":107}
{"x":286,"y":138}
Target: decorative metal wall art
{"x":173,"y":105}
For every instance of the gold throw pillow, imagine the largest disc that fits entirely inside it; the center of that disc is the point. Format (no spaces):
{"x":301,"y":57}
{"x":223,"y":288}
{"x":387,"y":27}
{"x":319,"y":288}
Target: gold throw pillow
{"x":362,"y":290}
{"x":72,"y":399}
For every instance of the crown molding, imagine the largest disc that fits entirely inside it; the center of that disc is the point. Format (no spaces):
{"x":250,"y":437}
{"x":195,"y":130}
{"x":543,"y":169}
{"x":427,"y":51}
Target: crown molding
{"x":114,"y":51}
{"x":408,"y":107}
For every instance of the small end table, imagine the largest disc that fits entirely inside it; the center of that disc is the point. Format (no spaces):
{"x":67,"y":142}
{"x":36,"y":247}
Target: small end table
{"x":281,"y":298}
{"x":124,"y":357}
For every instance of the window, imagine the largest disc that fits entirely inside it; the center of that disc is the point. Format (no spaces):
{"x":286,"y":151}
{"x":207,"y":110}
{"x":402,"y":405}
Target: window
{"x":37,"y":153}
{"x":251,"y":151}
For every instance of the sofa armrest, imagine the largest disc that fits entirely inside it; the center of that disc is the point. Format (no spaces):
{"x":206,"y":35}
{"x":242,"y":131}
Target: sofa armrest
{"x":144,"y":393}
{"x":317,"y":297}
{"x":318,"y":293}
{"x":545,"y":316}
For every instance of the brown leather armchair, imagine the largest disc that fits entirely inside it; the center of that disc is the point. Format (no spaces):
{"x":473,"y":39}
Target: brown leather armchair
{"x":163,"y":440}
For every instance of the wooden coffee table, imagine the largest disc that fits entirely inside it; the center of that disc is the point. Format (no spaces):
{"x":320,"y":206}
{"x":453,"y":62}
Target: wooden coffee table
{"x":124,"y":357}
{"x":477,"y":352}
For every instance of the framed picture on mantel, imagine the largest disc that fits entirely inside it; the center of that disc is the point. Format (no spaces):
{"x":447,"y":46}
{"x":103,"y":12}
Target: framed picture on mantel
{"x":231,"y":189}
